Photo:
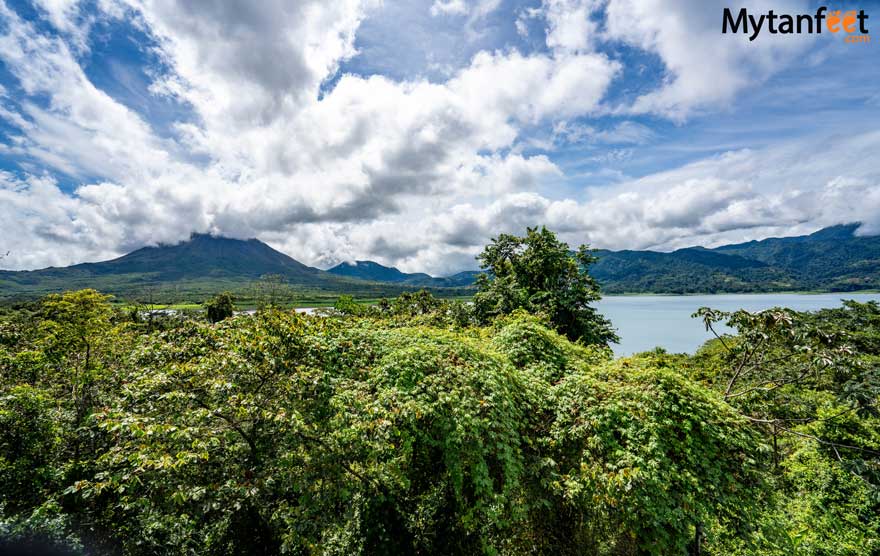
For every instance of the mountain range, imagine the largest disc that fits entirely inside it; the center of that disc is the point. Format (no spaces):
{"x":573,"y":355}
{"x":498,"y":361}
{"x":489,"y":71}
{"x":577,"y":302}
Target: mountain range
{"x":832,"y":259}
{"x":369,"y":270}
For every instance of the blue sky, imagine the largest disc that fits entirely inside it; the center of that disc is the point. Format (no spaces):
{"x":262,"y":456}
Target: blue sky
{"x":411,"y":132}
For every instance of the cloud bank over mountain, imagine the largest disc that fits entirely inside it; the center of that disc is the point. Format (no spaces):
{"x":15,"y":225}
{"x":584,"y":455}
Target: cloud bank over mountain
{"x":410,"y":132}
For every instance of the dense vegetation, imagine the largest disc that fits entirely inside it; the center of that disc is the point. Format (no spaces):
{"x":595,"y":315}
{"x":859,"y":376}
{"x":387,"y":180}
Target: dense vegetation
{"x":430,"y":426}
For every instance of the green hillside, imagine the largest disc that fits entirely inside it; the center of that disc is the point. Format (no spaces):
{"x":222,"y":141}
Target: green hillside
{"x":369,"y":270}
{"x":192,"y":270}
{"x":832,"y":259}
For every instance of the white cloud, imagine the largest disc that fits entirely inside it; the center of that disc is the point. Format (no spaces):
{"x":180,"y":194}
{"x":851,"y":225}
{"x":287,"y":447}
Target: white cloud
{"x":570,"y":26}
{"x":622,"y":133}
{"x":411,"y":172}
{"x":475,"y":10}
{"x":704,"y":67}
{"x":738,"y":196}
{"x":449,"y":7}
{"x":65,"y":16}
{"x":280,"y":162}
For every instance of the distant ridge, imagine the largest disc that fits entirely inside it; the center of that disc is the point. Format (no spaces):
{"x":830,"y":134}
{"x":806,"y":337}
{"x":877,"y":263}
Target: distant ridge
{"x":832,"y":259}
{"x":371,"y":270}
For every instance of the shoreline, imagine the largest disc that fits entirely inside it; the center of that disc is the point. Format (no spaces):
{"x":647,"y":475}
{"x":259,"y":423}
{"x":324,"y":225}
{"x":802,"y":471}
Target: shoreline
{"x":786,"y":292}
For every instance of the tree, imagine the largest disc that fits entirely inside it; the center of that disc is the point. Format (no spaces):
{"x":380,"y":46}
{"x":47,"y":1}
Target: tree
{"x":540,"y":274}
{"x":72,"y":322}
{"x":778,"y":354}
{"x":220,"y":307}
{"x":810,"y":383}
{"x":270,"y":291}
{"x":73,"y":333}
{"x":346,"y":305}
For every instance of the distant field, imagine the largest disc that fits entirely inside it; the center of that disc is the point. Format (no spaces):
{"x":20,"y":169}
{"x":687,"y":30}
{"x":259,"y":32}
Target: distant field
{"x":191,"y":294}
{"x":249,"y":303}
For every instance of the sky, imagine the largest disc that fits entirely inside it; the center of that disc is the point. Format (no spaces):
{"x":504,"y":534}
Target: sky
{"x":412,"y":132}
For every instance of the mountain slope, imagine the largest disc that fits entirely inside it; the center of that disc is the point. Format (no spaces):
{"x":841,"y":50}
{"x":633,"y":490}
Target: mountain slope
{"x":369,"y":270}
{"x":198,"y":267}
{"x":205,"y":256}
{"x":831,"y":259}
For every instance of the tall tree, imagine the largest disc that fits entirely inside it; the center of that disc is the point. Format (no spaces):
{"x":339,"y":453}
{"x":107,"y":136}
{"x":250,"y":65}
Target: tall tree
{"x":219,"y":307}
{"x":539,"y":273}
{"x":271,"y":290}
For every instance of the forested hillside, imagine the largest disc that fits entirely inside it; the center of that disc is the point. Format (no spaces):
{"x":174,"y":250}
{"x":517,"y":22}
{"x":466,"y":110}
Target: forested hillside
{"x":192,"y":270}
{"x":833,"y":259}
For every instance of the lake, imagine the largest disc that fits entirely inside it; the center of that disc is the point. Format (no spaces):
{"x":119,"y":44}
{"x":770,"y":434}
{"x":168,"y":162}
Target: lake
{"x":647,"y":321}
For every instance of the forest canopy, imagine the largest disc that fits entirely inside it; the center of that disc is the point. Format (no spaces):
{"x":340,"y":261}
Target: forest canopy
{"x":421,"y":425}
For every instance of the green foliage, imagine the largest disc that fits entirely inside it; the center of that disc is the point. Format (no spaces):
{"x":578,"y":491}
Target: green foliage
{"x":830,"y":510}
{"x":346,"y":305}
{"x":809,"y":383}
{"x":646,"y":457}
{"x":409,"y":307}
{"x":537,"y":273}
{"x":531,"y":345}
{"x":30,"y":438}
{"x":220,"y":307}
{"x":407,"y":430}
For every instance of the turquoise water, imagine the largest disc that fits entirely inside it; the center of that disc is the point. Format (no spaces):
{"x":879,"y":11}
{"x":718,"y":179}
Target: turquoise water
{"x":647,"y":321}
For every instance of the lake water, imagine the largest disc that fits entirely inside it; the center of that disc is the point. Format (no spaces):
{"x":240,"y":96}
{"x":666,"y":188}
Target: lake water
{"x":644,"y":322}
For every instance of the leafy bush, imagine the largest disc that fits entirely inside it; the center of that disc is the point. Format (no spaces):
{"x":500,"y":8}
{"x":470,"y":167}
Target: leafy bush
{"x":648,"y":456}
{"x":219,"y":307}
{"x":407,"y":429}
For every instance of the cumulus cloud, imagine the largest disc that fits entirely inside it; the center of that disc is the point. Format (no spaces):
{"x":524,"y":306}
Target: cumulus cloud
{"x":737,"y":196}
{"x":747,"y":194}
{"x":276,"y":141}
{"x":570,"y":24}
{"x":279,"y":157}
{"x":704,"y":68}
